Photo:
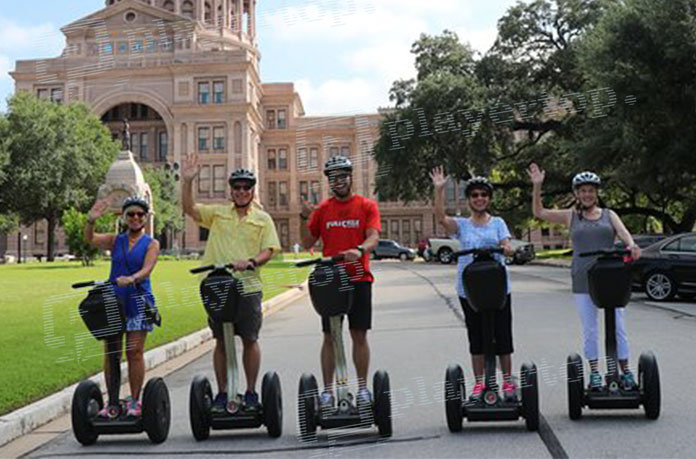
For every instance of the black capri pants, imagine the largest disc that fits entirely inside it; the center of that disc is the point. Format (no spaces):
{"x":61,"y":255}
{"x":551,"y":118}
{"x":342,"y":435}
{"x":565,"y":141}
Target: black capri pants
{"x":503,"y":328}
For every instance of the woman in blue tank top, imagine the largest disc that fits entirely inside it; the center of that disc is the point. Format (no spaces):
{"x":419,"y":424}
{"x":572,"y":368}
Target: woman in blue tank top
{"x":591,"y":228}
{"x":133,"y":257}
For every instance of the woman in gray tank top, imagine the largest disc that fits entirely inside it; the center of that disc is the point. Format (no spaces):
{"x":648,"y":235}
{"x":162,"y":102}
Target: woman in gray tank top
{"x":591,"y":228}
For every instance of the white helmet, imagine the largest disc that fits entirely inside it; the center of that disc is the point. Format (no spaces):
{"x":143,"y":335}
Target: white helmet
{"x":586,"y":178}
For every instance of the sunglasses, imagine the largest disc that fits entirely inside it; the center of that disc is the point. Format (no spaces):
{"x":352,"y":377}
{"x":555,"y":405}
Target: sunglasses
{"x":479,"y":195}
{"x":135,"y":214}
{"x":341,"y":177}
{"x":242,"y":188}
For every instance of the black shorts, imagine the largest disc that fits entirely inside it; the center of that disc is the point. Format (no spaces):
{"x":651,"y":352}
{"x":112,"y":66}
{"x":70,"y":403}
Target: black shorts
{"x":503,"y":328}
{"x":248,"y":321}
{"x":360,"y":315}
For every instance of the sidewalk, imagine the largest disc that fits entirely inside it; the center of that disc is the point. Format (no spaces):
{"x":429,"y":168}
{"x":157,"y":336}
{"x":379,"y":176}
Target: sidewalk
{"x":557,"y":262}
{"x":24,"y":420}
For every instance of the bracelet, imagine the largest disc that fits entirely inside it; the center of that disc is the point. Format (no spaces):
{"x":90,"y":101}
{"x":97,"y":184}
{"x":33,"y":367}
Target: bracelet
{"x":303,"y":217}
{"x":253,"y":262}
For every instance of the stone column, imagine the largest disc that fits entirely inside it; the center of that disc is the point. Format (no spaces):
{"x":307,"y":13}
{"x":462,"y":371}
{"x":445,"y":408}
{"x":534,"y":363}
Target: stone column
{"x":200,"y":10}
{"x":239,"y":16}
{"x":214,"y":13}
{"x":226,"y":14}
{"x":177,"y":6}
{"x":252,"y":19}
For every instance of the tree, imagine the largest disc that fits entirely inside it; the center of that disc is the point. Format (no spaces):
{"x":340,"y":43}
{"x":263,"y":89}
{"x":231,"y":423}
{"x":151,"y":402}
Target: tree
{"x":168,"y":216}
{"x":58,"y":157}
{"x":645,"y":51}
{"x":73,"y":223}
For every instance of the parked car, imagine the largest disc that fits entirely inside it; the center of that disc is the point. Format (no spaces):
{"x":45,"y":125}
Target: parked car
{"x":524,"y":252}
{"x":387,"y":248}
{"x":667,"y":268}
{"x":643,"y":240}
{"x":442,"y":249}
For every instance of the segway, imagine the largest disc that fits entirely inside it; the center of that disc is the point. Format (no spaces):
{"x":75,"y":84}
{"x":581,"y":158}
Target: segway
{"x":485,"y":282}
{"x":220,"y":293}
{"x":609,"y":279}
{"x":332,"y":297}
{"x":102,"y":311}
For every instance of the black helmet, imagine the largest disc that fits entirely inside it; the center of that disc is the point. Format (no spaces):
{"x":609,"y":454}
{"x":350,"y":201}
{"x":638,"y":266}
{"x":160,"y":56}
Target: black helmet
{"x":477,"y":182}
{"x":135,"y":201}
{"x":586,"y":178}
{"x":242,"y":174}
{"x":337,"y":163}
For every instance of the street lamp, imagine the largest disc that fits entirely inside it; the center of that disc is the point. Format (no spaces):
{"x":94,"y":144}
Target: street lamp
{"x":19,"y":247}
{"x":24,"y":238}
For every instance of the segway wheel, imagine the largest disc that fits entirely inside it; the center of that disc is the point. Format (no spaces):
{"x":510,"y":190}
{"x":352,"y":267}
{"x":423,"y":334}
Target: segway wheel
{"x":454,"y":397}
{"x":382,"y":391}
{"x":86,"y":403}
{"x":649,"y":377}
{"x":272,"y":402}
{"x":307,"y":405}
{"x":576,"y":384}
{"x":156,"y":410}
{"x":200,"y":403}
{"x":530,"y":396}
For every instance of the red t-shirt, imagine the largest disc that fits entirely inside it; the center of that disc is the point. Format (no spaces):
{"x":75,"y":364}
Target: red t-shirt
{"x":342,"y":226}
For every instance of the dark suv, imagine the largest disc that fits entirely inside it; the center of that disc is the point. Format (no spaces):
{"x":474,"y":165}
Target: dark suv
{"x":667,"y":268}
{"x":387,"y":248}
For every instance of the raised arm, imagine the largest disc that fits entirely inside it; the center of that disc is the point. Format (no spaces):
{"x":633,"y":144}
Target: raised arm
{"x":101,"y":241}
{"x":308,"y":240}
{"x":189,"y":172}
{"x":439,"y":180}
{"x":537,"y":176}
{"x":624,"y":235}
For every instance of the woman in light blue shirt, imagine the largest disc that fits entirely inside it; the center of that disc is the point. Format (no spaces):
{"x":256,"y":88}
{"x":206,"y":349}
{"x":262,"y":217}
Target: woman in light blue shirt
{"x":479,"y":230}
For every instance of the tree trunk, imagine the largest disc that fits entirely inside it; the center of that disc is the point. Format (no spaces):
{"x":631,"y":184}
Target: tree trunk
{"x":50,"y":242}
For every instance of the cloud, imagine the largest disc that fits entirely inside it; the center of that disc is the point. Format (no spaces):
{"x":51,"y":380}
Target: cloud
{"x":342,"y":97}
{"x":41,"y":40}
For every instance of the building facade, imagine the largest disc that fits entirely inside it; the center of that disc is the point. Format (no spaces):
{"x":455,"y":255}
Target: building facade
{"x":186,"y":75}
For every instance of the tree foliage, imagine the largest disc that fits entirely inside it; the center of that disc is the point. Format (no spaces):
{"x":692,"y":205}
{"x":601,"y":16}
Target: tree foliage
{"x":165,"y":198}
{"x":73,"y":222}
{"x":570,"y":84}
{"x":58,"y":157}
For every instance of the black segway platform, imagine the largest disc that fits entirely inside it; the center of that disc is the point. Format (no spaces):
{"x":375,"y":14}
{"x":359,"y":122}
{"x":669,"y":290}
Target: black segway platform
{"x":485,"y":281}
{"x":220,"y":293}
{"x":609,"y":280}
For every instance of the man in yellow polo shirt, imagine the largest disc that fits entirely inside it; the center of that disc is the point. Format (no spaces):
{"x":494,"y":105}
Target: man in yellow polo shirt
{"x":243,"y":234}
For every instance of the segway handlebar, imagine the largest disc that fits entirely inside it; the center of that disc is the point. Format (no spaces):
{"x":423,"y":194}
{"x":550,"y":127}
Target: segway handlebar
{"x":92,"y":284}
{"x":615,"y":252}
{"x":478,"y":251}
{"x":316,"y":261}
{"x":202,"y":269}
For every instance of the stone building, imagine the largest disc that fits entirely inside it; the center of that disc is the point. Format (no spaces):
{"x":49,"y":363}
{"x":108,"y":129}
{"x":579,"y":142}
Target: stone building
{"x":186,"y":74}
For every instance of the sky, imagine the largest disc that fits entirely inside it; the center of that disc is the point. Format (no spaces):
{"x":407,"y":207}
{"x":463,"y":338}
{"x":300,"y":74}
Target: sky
{"x":342,"y":55}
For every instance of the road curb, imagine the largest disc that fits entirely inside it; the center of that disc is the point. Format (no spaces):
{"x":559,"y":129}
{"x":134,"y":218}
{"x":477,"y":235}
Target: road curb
{"x":28,"y":418}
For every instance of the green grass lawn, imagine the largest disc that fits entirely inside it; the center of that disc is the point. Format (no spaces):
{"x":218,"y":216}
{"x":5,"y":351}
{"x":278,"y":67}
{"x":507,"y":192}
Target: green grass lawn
{"x":555,"y":253}
{"x":45,"y":346}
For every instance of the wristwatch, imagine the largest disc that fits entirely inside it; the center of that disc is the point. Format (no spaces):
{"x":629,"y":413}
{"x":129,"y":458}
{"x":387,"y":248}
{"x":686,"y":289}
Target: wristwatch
{"x":303,"y":217}
{"x":362,"y":249}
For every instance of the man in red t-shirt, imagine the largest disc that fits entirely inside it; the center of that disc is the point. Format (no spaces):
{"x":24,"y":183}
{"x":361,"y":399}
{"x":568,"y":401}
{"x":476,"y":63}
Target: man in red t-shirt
{"x":347,"y":224}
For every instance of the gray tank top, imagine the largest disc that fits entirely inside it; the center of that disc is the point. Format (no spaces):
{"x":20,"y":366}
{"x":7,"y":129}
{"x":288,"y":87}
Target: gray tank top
{"x":588,"y":236}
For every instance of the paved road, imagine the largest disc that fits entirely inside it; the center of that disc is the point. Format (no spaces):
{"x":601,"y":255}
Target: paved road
{"x":417,"y":333}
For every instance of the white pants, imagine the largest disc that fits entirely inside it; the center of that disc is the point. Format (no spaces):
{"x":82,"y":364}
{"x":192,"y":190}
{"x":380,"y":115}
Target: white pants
{"x":588,"y":316}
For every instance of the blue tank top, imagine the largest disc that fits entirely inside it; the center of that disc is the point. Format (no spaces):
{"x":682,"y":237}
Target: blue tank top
{"x":131,"y":296}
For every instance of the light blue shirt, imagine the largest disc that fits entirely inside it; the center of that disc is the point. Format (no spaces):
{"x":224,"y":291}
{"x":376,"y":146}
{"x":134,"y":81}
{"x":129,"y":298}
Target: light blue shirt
{"x":472,"y":236}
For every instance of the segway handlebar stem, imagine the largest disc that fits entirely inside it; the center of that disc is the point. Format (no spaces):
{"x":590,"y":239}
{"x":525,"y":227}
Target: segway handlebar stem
{"x":323,"y":261}
{"x":202,"y":269}
{"x":93,"y":284}
{"x":478,"y":251}
{"x":608,"y":252}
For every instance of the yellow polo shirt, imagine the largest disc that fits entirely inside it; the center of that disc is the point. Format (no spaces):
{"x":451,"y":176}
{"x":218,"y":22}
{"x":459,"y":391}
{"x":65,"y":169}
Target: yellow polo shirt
{"x":232,"y":239}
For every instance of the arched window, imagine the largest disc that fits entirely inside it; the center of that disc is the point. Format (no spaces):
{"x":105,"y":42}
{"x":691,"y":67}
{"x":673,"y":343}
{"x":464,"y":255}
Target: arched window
{"x":168,"y":5}
{"x":208,"y":18}
{"x":187,"y":9}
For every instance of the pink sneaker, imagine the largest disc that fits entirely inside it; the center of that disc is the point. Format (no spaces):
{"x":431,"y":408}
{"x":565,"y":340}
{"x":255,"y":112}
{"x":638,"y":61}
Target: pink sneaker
{"x":477,"y":391}
{"x":135,"y":408}
{"x":510,"y":391}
